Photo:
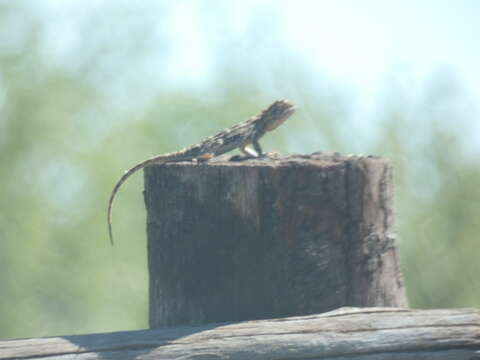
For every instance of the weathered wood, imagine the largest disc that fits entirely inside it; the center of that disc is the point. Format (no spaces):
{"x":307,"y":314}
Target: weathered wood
{"x":367,"y":334}
{"x":268,"y":238}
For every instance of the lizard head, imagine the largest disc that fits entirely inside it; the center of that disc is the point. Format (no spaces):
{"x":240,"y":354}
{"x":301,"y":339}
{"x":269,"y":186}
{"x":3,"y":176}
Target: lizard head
{"x":277,"y":113}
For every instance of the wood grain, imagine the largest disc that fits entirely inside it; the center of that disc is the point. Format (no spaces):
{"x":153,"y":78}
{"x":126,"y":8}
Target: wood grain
{"x":288,"y":235}
{"x":368,"y":334}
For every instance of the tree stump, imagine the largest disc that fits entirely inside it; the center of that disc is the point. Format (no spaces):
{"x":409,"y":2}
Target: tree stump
{"x":268,"y":238}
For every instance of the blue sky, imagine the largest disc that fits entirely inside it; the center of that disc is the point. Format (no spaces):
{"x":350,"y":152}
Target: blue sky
{"x":360,"y":45}
{"x":352,"y":41}
{"x":356,"y":45}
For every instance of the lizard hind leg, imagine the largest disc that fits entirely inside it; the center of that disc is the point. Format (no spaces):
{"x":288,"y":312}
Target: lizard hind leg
{"x":205,"y":157}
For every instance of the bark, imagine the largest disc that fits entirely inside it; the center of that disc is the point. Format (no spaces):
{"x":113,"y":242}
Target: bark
{"x":269,"y":238}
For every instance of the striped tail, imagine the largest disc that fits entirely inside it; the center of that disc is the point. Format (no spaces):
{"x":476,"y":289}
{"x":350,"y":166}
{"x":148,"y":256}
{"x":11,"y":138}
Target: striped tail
{"x":155,"y":160}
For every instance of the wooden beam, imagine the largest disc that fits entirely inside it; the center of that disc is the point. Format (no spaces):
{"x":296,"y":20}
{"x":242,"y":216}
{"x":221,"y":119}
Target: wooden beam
{"x":367,"y":334}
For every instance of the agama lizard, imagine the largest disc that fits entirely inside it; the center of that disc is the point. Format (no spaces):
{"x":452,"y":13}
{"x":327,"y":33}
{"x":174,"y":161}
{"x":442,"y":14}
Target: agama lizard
{"x":239,"y":136}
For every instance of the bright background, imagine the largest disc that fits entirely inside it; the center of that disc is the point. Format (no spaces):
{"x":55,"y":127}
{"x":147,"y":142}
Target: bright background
{"x":89,"y":88}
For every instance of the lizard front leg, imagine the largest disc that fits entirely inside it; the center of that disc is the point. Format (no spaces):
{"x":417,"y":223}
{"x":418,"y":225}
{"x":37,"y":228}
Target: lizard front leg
{"x":255,"y":152}
{"x":248,"y":152}
{"x":257,"y":147}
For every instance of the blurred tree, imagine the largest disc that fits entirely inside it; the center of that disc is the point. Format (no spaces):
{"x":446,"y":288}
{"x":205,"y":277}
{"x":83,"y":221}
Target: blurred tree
{"x":84,"y":98}
{"x":429,"y":139}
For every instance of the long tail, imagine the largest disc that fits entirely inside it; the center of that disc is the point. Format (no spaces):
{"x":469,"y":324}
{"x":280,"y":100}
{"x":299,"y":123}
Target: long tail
{"x":155,"y":160}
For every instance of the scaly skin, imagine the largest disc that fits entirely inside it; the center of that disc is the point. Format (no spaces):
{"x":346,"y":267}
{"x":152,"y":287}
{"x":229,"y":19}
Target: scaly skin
{"x":239,"y":136}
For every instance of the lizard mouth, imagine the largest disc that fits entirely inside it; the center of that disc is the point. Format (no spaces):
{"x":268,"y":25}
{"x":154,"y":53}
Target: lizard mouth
{"x":286,"y":111}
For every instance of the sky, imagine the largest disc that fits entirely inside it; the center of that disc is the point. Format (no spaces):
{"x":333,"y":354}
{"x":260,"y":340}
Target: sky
{"x":352,"y":41}
{"x":357,"y":42}
{"x":357,"y":45}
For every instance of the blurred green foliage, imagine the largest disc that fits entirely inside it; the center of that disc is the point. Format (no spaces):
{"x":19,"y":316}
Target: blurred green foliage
{"x":79,"y":107}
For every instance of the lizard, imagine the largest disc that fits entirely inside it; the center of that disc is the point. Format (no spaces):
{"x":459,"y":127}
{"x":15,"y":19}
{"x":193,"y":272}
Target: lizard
{"x":239,"y":136}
